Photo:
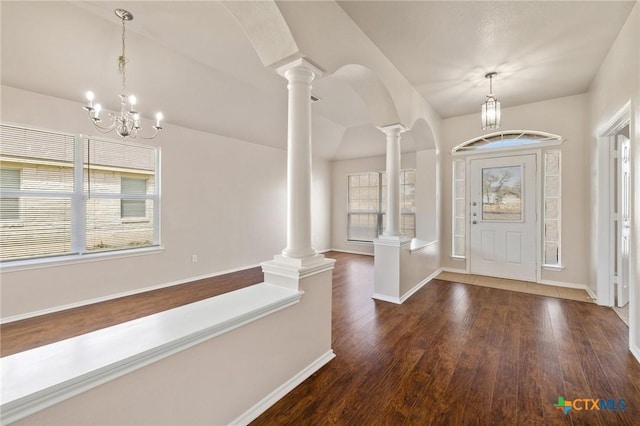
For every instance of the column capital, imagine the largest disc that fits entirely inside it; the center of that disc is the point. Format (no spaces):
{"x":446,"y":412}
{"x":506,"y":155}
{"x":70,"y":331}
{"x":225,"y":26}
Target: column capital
{"x":299,"y":63}
{"x":393,"y":129}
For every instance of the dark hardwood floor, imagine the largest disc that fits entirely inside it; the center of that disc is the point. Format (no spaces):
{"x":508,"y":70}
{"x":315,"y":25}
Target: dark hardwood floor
{"x":457,"y":354}
{"x":453,"y":354}
{"x":33,"y":332}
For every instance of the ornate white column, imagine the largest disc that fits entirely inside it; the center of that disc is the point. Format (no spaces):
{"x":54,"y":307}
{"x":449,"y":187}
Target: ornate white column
{"x":392,"y":228}
{"x":299,"y":263}
{"x":299,"y":74}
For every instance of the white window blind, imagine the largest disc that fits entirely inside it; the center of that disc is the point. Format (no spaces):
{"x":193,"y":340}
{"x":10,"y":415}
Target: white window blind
{"x":46,"y":161}
{"x":364,"y":207}
{"x":70,"y":193}
{"x":366,"y":216}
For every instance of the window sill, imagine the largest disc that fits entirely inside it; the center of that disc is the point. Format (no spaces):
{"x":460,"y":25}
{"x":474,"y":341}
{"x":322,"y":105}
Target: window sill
{"x":71,"y":259}
{"x":30,"y":382}
{"x":454,"y":257}
{"x":134,"y":220}
{"x":556,"y":268}
{"x":360,"y":243}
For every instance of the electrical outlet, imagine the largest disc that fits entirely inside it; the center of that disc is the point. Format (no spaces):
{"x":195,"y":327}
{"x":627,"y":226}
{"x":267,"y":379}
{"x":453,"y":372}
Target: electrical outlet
{"x":194,"y":258}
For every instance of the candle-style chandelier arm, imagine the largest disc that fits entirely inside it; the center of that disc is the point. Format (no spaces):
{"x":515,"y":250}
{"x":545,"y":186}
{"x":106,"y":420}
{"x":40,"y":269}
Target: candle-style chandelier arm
{"x":127,"y":121}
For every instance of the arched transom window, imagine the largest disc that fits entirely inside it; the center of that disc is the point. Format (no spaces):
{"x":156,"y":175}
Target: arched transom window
{"x":512,"y":139}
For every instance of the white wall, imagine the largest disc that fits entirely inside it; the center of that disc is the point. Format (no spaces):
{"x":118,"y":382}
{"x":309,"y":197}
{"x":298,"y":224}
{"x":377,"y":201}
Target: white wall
{"x":427,"y":195}
{"x":222,"y":199}
{"x":340,"y":171}
{"x":217,"y":381}
{"x":567,"y":117}
{"x":618,"y":82}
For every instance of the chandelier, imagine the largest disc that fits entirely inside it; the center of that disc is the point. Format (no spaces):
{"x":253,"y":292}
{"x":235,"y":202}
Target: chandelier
{"x":127,"y":122}
{"x":491,"y":107}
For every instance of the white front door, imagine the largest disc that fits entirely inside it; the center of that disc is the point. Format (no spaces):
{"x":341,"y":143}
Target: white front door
{"x":503,"y":217}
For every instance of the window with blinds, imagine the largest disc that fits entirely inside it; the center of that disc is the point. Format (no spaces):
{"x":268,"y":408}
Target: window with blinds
{"x":64,"y":194}
{"x":367,"y":204}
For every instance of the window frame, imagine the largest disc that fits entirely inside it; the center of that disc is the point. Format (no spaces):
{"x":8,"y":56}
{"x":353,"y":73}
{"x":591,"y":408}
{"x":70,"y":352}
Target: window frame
{"x":381,"y":210}
{"x":78,"y":197}
{"x":543,"y":143}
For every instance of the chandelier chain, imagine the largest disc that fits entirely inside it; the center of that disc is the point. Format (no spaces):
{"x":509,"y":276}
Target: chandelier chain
{"x":126,"y":123}
{"x":122,"y":61}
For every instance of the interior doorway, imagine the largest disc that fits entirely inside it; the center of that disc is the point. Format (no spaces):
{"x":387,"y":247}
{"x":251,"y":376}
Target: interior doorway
{"x":620,"y":215}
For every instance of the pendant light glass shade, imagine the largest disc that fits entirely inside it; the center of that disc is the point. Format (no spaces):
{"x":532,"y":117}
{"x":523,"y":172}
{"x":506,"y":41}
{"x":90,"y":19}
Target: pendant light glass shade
{"x":491,"y":108}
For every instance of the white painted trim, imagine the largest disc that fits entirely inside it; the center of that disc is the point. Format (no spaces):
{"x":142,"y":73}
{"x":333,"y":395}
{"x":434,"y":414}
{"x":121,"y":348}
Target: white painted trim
{"x":564,"y":284}
{"x":619,"y":120}
{"x":352,"y":252}
{"x":91,"y":359}
{"x":635,"y":351}
{"x":552,"y":140}
{"x":386,"y":298}
{"x":419,"y":285}
{"x":72,"y":259}
{"x":454,"y":270}
{"x":297,"y":269}
{"x":391,"y":241}
{"x":119,"y":295}
{"x":417,"y":244}
{"x":269,"y":400}
{"x":509,"y":150}
{"x":555,"y":268}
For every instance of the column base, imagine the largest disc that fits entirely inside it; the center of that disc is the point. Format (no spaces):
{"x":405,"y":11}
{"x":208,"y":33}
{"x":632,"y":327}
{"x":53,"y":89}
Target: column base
{"x":387,"y":264}
{"x":289,"y":272}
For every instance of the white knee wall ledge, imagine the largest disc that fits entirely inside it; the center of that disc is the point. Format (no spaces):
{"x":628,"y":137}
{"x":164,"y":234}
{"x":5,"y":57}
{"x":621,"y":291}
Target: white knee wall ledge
{"x":39,"y":378}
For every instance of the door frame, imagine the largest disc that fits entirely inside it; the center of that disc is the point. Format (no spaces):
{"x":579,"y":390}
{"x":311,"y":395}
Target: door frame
{"x":538,"y":196}
{"x":605,"y":290}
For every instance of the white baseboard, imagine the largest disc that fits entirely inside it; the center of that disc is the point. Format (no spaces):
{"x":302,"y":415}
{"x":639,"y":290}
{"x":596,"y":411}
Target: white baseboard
{"x":453,"y":270}
{"x":386,"y":298}
{"x":118,"y":295}
{"x":635,"y":351}
{"x":403,"y":298}
{"x":420,"y":285}
{"x":566,"y":285}
{"x":275,"y":396}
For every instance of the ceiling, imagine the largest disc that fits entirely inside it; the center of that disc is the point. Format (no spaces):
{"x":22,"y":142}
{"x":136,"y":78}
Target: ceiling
{"x":540,"y":49}
{"x":194,"y":61}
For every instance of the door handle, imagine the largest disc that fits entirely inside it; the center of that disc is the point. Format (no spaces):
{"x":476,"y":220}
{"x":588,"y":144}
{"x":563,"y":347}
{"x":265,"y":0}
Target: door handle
{"x":474,"y":222}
